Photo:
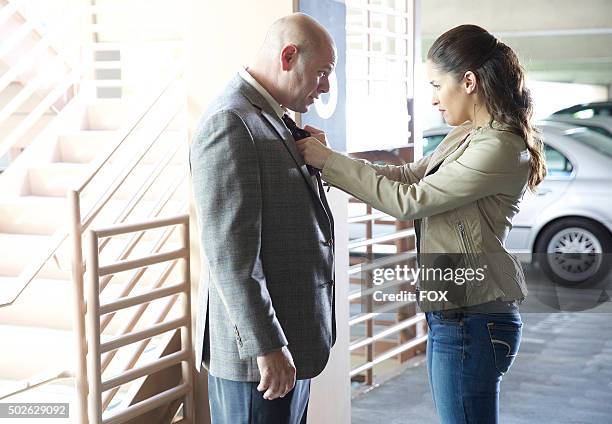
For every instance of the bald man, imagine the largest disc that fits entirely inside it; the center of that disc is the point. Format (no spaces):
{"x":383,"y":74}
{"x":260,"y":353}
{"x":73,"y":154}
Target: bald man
{"x":266,"y":320}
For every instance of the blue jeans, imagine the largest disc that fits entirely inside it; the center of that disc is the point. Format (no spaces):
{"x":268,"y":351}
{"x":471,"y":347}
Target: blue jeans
{"x":239,"y":402}
{"x":467,"y":354}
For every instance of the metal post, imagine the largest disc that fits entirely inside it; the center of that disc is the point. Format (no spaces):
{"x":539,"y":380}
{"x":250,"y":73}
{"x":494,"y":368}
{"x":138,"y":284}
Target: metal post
{"x":79,"y":307}
{"x":93,"y":330}
{"x":186,"y":365}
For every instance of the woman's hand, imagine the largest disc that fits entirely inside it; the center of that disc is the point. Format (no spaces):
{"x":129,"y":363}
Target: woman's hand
{"x":317,"y":133}
{"x":313,"y":150}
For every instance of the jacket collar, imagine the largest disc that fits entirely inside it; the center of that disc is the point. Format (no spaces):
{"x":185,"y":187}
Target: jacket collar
{"x":459,"y":135}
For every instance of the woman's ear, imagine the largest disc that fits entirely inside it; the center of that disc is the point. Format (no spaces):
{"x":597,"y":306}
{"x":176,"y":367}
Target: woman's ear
{"x":470,"y":83}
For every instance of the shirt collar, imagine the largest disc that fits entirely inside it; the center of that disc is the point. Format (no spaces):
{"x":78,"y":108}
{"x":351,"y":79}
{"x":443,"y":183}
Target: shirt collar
{"x":278,"y":109}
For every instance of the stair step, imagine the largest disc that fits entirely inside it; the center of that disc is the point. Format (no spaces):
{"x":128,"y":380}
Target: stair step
{"x":105,"y":114}
{"x":18,"y":250}
{"x":85,"y":146}
{"x":54,"y":179}
{"x":32,"y":350}
{"x":135,"y":180}
{"x":22,"y":215}
{"x":13,"y":121}
{"x":51,"y":299}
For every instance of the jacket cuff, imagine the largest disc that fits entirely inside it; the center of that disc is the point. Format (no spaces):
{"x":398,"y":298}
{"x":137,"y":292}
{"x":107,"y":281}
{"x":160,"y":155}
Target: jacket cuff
{"x":258,"y":343}
{"x":329,"y":172}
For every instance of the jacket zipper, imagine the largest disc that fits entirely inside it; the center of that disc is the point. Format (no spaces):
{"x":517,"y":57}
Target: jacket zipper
{"x":466,"y":245}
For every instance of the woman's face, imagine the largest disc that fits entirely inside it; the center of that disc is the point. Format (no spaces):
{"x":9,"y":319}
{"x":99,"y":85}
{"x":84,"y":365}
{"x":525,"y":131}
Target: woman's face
{"x":451,"y":97}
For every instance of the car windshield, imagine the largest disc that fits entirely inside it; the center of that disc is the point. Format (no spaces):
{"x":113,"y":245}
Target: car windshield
{"x":599,"y":142}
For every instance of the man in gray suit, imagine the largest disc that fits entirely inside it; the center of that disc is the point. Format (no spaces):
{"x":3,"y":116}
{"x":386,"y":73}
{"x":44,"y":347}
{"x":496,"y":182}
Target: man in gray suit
{"x":266,"y":319}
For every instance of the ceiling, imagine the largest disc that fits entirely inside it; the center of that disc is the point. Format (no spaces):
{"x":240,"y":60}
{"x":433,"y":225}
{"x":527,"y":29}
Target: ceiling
{"x":556,"y":40}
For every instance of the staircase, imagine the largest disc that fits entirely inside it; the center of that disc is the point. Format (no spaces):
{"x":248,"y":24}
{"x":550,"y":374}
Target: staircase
{"x":118,"y":160}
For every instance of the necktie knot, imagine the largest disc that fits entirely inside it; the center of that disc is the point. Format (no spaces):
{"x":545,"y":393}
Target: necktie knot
{"x":298,"y":134}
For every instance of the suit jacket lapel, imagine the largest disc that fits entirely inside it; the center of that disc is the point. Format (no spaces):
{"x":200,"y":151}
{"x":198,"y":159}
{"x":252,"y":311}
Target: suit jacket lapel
{"x":289,"y":142}
{"x":287,"y":139}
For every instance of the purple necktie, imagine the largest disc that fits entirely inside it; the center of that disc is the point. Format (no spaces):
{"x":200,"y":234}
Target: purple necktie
{"x":298,"y":134}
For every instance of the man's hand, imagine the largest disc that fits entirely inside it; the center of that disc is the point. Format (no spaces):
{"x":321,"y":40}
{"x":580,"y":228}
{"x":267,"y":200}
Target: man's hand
{"x":277,"y":373}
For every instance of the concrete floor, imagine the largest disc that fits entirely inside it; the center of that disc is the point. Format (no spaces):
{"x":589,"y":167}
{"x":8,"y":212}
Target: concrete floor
{"x":562,"y":375}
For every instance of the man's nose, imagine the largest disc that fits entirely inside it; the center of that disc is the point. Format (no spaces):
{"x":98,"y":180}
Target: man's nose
{"x":324,"y":86}
{"x":434,"y":101}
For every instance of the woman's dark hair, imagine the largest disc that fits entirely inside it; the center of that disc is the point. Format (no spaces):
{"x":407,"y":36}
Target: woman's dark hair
{"x":501,"y":81}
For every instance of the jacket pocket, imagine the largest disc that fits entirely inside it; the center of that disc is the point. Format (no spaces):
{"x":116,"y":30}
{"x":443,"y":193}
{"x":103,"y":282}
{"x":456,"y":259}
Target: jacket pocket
{"x":505,"y":340}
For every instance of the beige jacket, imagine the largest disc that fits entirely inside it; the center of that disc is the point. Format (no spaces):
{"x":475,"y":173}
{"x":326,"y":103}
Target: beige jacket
{"x":465,"y":208}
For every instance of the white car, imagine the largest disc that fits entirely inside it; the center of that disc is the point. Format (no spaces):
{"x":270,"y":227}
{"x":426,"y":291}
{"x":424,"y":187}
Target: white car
{"x":600,"y":124}
{"x":567,"y":223}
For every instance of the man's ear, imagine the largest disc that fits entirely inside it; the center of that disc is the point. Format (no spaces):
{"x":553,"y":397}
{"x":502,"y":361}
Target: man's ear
{"x":470,"y":82}
{"x":288,"y":57}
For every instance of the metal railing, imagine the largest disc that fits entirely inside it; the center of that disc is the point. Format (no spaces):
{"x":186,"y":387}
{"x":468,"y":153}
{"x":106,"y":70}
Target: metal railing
{"x":170,"y":108}
{"x":92,"y":195}
{"x":384,"y":337}
{"x":96,"y":310}
{"x":66,"y":87}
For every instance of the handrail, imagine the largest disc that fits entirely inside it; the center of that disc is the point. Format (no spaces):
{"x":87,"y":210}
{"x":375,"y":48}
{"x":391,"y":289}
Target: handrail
{"x":37,"y":381}
{"x":386,"y":332}
{"x":96,"y":348}
{"x":9,"y":10}
{"x":368,"y":217}
{"x":37,"y":50}
{"x":129,"y":129}
{"x":129,"y":247}
{"x":389,"y":354}
{"x":381,"y":239}
{"x":26,"y":62}
{"x":28,"y":275}
{"x":10,"y":43}
{"x":400,"y":339}
{"x":380,"y":262}
{"x":21,"y":97}
{"x":122,"y":176}
{"x":40,"y":109}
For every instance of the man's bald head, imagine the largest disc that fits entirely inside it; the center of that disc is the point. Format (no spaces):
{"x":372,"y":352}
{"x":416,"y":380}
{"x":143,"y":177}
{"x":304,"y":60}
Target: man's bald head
{"x":299,"y":29}
{"x":295,"y":62}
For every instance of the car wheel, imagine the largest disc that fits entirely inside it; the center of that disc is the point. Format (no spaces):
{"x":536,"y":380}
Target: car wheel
{"x":571,"y":251}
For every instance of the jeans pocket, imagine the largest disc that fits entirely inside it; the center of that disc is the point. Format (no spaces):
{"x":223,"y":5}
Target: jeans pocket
{"x":449,"y":317}
{"x":505,"y":340}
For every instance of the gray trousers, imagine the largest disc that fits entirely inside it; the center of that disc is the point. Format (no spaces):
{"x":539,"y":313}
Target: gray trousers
{"x":239,"y":402}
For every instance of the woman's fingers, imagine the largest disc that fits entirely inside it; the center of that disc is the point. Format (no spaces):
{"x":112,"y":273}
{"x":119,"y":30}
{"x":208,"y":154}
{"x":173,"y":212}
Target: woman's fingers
{"x":320,"y":137}
{"x":313,"y":152}
{"x":313,"y":130}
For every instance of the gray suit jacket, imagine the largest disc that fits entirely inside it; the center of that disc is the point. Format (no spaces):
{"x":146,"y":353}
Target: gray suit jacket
{"x":267,"y":234}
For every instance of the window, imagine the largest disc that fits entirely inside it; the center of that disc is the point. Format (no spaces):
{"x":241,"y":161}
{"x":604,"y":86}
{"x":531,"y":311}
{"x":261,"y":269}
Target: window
{"x":431,"y":142}
{"x":557,"y":163}
{"x":379,"y":73}
{"x":593,"y":139}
